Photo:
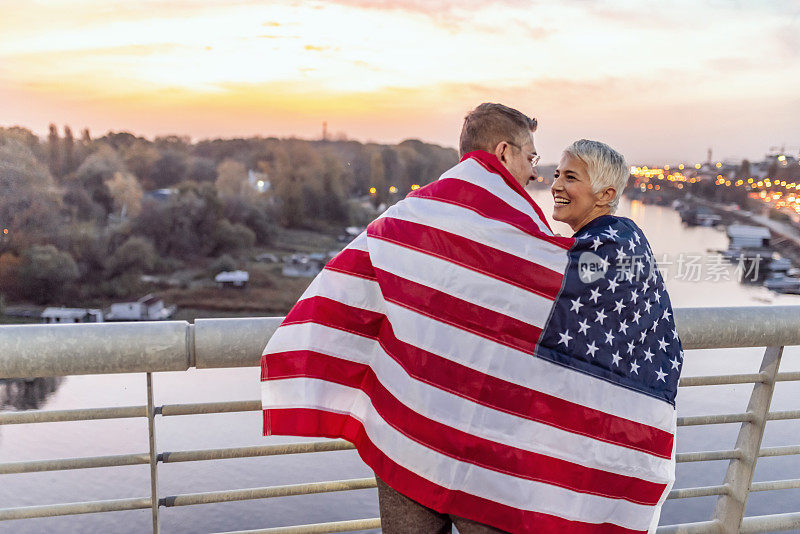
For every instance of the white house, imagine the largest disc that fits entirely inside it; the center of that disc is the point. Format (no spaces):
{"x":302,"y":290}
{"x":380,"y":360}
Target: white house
{"x":232,"y":278}
{"x":147,"y":308}
{"x":55,"y":315}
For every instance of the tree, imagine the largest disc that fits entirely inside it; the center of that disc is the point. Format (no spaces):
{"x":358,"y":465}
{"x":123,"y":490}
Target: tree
{"x":202,"y":169}
{"x":68,"y":164}
{"x":45,"y":273}
{"x":54,"y":154}
{"x":183,"y":226}
{"x":30,"y":202}
{"x":126,"y":192}
{"x":134,"y":256}
{"x":232,"y":237}
{"x":96,"y":171}
{"x":140,"y":159}
{"x":9,"y":275}
{"x":169,"y":169}
{"x":232,"y":178}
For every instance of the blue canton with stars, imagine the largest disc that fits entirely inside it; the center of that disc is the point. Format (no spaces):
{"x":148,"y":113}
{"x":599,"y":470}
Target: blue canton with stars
{"x":613,"y":318}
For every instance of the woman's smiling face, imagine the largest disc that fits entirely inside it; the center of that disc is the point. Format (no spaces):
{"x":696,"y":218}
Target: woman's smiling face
{"x":575,"y":201}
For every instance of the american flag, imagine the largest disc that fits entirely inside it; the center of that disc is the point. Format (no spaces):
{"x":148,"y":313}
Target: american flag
{"x":486,"y":368}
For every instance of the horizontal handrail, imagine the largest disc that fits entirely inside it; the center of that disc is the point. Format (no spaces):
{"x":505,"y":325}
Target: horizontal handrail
{"x":705,"y":491}
{"x":719,"y":380}
{"x":287,"y":490}
{"x":317,"y":528}
{"x":101,"y":348}
{"x":694,"y":420}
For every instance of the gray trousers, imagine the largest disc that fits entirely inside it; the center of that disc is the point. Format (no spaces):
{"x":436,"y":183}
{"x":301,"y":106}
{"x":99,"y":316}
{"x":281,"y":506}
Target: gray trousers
{"x":401,"y":515}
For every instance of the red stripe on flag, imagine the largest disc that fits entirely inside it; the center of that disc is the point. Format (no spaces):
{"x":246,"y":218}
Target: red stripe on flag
{"x":456,"y":443}
{"x":475,"y":198}
{"x":459,"y":313}
{"x":352,"y":261}
{"x":490,"y":162}
{"x":320,"y":423}
{"x":484,"y":389}
{"x":468,"y":253}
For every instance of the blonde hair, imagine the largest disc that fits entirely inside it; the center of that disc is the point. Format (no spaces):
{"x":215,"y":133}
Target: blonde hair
{"x":606,"y":166}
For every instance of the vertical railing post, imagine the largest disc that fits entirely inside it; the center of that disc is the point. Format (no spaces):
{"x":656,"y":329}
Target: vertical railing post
{"x":151,"y":426}
{"x":730,"y":508}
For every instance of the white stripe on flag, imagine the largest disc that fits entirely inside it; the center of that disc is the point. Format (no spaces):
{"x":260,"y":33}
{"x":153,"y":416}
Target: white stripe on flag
{"x":443,"y":470}
{"x":473,"y":172}
{"x":461,"y":282}
{"x":468,"y":224}
{"x":465,"y":415}
{"x":360,"y":292}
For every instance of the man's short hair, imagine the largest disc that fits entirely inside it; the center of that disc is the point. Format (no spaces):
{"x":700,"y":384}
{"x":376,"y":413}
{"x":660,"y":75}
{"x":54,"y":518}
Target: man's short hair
{"x":490,"y":124}
{"x":606,"y":166}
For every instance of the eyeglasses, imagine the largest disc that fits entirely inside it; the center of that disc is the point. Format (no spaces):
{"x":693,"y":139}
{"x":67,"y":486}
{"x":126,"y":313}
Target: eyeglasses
{"x":534,"y":158}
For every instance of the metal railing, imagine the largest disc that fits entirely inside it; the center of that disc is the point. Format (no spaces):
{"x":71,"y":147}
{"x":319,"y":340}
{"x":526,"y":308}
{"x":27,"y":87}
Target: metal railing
{"x":58,"y":350}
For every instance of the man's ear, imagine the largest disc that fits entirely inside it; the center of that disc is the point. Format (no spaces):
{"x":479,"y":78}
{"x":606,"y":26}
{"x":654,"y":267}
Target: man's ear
{"x":500,"y":151}
{"x":606,"y":196}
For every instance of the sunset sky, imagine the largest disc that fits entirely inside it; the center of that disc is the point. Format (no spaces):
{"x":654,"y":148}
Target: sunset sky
{"x":660,"y":81}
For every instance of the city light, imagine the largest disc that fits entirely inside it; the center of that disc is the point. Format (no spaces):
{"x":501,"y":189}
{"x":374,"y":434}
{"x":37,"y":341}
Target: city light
{"x":393,"y":189}
{"x":415,"y":187}
{"x":697,"y":166}
{"x":372,"y":190}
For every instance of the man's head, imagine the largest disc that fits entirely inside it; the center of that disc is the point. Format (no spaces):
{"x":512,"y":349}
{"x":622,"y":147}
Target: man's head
{"x":504,"y":132}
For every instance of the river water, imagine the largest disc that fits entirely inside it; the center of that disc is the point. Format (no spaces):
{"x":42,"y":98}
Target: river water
{"x":690,"y":288}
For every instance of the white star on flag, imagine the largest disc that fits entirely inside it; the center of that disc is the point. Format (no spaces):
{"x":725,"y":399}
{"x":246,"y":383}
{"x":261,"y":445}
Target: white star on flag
{"x":662,"y":344}
{"x":576,"y":305}
{"x":616,"y":357}
{"x":661,"y":374}
{"x":601,"y":316}
{"x":591,"y":348}
{"x":596,"y":243}
{"x":618,"y":306}
{"x":595,"y":295}
{"x":609,"y":338}
{"x":584,"y":326}
{"x":648,"y":355}
{"x":565,"y":338}
{"x":634,"y":367}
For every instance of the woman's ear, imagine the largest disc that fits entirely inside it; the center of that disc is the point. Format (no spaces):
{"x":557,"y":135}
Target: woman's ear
{"x":606,"y":196}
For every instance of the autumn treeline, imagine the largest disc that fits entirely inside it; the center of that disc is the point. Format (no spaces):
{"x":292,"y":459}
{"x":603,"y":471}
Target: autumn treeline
{"x":84,"y":218}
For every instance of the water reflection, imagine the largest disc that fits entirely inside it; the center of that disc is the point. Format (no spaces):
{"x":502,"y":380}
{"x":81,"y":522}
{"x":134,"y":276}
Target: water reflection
{"x":28,"y":393}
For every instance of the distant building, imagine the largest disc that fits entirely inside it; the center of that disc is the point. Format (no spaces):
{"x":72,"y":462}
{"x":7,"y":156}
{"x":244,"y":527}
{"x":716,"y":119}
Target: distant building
{"x":147,"y":308}
{"x":300,"y":265}
{"x":160,"y":194}
{"x":745,"y":236}
{"x":53,"y":315}
{"x":232,"y":279}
